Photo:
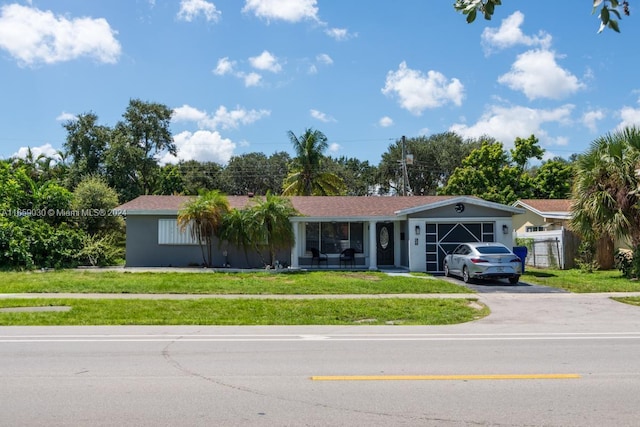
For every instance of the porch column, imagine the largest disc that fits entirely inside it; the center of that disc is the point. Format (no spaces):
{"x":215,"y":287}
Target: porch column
{"x":373,"y":246}
{"x":296,"y":243}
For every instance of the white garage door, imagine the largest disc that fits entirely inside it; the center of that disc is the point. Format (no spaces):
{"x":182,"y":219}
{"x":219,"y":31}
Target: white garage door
{"x":444,"y":237}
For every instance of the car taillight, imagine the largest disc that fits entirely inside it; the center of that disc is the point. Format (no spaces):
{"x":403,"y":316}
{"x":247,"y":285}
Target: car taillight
{"x":478,"y":260}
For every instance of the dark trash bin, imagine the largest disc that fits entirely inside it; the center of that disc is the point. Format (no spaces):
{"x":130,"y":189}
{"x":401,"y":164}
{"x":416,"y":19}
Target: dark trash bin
{"x":521,"y":252}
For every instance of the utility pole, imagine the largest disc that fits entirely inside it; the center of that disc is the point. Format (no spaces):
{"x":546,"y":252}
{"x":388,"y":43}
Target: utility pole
{"x":403,"y":168}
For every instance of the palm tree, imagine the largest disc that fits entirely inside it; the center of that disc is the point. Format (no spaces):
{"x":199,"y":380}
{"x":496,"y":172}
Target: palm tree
{"x":236,"y":230}
{"x":607,"y":200}
{"x":270,"y":225}
{"x":307,"y":177}
{"x":203,"y":217}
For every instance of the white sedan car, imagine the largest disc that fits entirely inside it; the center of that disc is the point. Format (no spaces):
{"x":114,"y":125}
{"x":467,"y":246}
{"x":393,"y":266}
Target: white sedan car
{"x":483,"y":261}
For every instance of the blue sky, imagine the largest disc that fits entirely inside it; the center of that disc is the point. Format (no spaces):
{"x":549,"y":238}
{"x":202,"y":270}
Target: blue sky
{"x":239,"y":74}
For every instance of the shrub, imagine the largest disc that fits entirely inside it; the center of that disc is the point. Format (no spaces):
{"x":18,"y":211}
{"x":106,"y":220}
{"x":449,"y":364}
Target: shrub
{"x":101,"y":250}
{"x":628,"y":262}
{"x":586,"y":260}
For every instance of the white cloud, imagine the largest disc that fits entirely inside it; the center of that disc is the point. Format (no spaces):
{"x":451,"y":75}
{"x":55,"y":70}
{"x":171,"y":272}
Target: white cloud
{"x":507,"y":123}
{"x":224,"y":66}
{"x":251,"y":79}
{"x":509,"y":34}
{"x":46,"y":149}
{"x":321,"y":116}
{"x":33,"y":37}
{"x":221,"y":119}
{"x":187,"y":113}
{"x":416,"y":91}
{"x":232,"y":119}
{"x":630,"y":117}
{"x":65,"y":117}
{"x":334,"y":147}
{"x":266,"y":61}
{"x":190,"y":9}
{"x":325,"y":59}
{"x":285,"y":10}
{"x":339,"y":34}
{"x":385,"y":122}
{"x":537,"y":75}
{"x":590,"y":119}
{"x":201,"y":145}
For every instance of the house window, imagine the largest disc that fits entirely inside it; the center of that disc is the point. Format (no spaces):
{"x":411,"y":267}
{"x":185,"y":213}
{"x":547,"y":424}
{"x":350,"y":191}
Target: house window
{"x":533,"y":228}
{"x":170,"y":234}
{"x":334,"y":237}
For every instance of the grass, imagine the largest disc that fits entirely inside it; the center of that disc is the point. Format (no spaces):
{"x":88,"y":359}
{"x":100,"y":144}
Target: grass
{"x":300,"y":283}
{"x":582,"y":282}
{"x":628,"y":300}
{"x":411,"y":311}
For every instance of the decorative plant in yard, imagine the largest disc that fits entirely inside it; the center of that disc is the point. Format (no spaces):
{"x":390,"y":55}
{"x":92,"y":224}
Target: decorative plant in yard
{"x":203,"y":216}
{"x":607,"y":200}
{"x":270,"y":224}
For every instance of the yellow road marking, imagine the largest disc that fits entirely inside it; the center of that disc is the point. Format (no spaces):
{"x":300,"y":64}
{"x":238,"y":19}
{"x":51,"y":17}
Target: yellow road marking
{"x":444,"y":377}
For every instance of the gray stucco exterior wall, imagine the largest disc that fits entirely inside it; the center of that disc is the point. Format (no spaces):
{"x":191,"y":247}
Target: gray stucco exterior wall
{"x":143,"y":250}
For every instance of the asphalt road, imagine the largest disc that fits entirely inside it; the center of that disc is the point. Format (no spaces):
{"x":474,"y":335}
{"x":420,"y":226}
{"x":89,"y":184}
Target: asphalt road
{"x":486,"y":373}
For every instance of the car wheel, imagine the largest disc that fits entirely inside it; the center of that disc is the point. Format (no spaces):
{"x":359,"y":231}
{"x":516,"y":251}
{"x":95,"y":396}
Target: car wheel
{"x":514,"y":280}
{"x":446,"y":270}
{"x":465,"y":275}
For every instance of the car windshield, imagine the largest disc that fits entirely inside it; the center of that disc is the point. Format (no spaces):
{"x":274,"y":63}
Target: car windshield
{"x":492,"y":250}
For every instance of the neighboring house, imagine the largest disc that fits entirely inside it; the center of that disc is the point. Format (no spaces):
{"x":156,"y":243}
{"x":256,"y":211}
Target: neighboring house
{"x":544,"y":226}
{"x":408,"y":232}
{"x":542,"y":215}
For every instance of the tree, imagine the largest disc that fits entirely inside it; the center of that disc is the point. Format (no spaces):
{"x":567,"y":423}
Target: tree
{"x":606,"y":192}
{"x":358,"y":176}
{"x":85,"y":147}
{"x":255,"y":173}
{"x":554,"y":179}
{"x":136,"y":146}
{"x":237,"y":230}
{"x":308,"y":176}
{"x":525,"y":150}
{"x":492,"y":173}
{"x":608,"y":9}
{"x":270,"y":223}
{"x":94,"y":201}
{"x":122,"y":164}
{"x":434,"y":160}
{"x":204,"y":216}
{"x":53,"y":198}
{"x":170,"y":180}
{"x":197,"y":176}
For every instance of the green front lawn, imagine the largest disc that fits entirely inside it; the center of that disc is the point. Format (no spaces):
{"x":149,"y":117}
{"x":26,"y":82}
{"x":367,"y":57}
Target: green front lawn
{"x":581,"y":282}
{"x":396,"y":311}
{"x":301,"y":283}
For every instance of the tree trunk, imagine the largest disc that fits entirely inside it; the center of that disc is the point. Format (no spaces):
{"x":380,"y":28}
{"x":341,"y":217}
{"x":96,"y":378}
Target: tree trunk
{"x":605,"y":252}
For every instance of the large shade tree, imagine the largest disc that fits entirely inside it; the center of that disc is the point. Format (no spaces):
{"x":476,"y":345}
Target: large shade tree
{"x":85,"y":147}
{"x":606,"y":192}
{"x":203,"y":217}
{"x":308,"y":177}
{"x":435,"y":158}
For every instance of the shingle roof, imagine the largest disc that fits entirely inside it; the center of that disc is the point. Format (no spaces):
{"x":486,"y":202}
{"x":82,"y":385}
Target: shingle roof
{"x":315,"y":206}
{"x":549,"y":205}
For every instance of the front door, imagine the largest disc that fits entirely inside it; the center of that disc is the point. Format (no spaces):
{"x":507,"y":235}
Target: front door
{"x":384,"y":235}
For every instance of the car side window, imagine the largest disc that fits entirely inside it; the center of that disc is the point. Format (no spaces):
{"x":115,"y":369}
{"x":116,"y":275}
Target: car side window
{"x":461,"y":250}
